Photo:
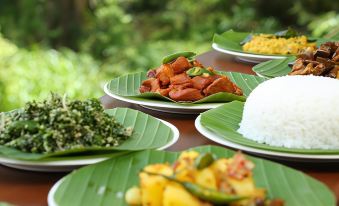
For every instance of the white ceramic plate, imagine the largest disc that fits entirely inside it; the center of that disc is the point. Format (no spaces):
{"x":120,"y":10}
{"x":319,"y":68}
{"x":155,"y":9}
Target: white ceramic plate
{"x":51,"y":193}
{"x":246,"y":57}
{"x":265,"y":153}
{"x":69,"y":165}
{"x":163,"y":106}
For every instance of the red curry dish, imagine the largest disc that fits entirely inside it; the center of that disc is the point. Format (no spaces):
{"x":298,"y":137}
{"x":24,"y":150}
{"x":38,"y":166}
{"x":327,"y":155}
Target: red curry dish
{"x":183,"y":79}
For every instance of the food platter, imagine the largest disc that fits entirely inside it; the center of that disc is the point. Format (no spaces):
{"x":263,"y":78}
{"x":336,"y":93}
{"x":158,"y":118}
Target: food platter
{"x":128,"y":92}
{"x":169,"y":135}
{"x":93,"y":181}
{"x":231,"y":42}
{"x":246,"y":57}
{"x":228,"y":136}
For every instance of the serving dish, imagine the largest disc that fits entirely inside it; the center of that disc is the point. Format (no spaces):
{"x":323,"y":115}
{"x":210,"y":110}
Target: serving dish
{"x":150,"y":133}
{"x":220,"y":125}
{"x":104,"y":182}
{"x":126,"y":88}
{"x":229,"y":42}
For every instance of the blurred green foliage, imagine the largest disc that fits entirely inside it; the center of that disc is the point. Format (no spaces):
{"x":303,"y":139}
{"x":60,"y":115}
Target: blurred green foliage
{"x":74,"y":46}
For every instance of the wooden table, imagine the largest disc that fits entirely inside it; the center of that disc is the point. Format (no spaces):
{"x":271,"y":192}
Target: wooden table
{"x":31,"y":188}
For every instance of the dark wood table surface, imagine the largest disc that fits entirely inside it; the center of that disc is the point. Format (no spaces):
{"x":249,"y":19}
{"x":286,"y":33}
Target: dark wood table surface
{"x":31,"y":188}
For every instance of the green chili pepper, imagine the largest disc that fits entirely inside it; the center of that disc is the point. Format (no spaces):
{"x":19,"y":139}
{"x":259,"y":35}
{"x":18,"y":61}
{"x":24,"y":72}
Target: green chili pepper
{"x":204,"y":160}
{"x":203,"y":193}
{"x":197,"y":71}
{"x":171,"y":57}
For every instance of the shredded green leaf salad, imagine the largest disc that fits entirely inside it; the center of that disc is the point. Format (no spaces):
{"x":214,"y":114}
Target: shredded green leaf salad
{"x":57,"y":124}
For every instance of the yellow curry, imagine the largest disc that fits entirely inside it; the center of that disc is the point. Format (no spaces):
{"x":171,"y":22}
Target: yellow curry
{"x":199,"y":180}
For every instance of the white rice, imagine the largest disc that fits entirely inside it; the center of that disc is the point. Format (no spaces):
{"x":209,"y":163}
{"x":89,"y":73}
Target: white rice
{"x":294,"y":112}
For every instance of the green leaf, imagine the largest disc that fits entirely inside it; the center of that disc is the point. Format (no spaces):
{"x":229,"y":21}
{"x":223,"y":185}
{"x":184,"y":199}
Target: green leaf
{"x":274,"y":68}
{"x":149,"y":133}
{"x":171,"y":57}
{"x":128,"y":86}
{"x":224,"y":121}
{"x":105,"y":183}
{"x":230,"y":40}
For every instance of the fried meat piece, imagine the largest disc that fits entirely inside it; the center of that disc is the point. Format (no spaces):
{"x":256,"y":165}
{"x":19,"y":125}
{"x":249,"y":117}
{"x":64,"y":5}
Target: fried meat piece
{"x":200,"y":82}
{"x":334,"y":73}
{"x":180,"y":65}
{"x":164,"y":92}
{"x":164,"y":73}
{"x":182,"y":78}
{"x":149,"y":85}
{"x":222,"y":84}
{"x":188,"y":94}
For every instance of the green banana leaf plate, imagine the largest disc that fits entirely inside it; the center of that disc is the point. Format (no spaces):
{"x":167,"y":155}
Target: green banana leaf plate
{"x":274,"y":68}
{"x":149,"y":133}
{"x":221,"y":125}
{"x":105,"y":183}
{"x":229,"y":43}
{"x":126,"y":88}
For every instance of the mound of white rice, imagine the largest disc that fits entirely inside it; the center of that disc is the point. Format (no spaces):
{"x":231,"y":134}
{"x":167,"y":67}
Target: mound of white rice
{"x":294,"y":112}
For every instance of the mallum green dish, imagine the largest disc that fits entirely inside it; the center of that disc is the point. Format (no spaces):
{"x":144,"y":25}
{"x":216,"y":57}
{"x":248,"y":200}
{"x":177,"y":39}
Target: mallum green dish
{"x":105,"y":183}
{"x":148,"y":133}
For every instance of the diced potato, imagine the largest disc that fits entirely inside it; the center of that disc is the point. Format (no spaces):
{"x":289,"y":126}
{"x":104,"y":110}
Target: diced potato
{"x":244,"y":187}
{"x":206,"y":178}
{"x":176,"y":195}
{"x":188,"y":154}
{"x":152,"y":188}
{"x":133,"y":196}
{"x":220,"y":166}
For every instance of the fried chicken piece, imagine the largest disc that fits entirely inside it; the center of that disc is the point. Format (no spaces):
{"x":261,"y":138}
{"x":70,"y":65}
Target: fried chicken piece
{"x":181,"y":86}
{"x":334,"y":72}
{"x":182,"y":78}
{"x":164,"y":73}
{"x":149,"y":85}
{"x":200,"y":82}
{"x":164,"y":92}
{"x":222,"y":84}
{"x":180,"y":65}
{"x":298,"y":65}
{"x":335,"y":56}
{"x":188,"y":94}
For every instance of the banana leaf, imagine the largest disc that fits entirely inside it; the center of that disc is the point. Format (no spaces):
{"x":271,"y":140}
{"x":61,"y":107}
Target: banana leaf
{"x":224,"y":121}
{"x":274,"y":68}
{"x":105,"y":183}
{"x":128,"y":86}
{"x":149,"y":133}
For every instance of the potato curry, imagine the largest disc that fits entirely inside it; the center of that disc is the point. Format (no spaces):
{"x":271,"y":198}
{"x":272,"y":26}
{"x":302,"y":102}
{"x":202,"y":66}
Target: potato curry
{"x":199,"y":180}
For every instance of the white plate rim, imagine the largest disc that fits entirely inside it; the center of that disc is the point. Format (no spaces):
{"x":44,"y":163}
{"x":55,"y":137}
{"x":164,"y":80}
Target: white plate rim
{"x":52,"y":191}
{"x":215,"y":138}
{"x":241,"y":54}
{"x":60,"y":163}
{"x":165,"y":105}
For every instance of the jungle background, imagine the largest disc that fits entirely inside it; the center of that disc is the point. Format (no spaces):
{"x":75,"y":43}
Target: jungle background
{"x":74,"y":46}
